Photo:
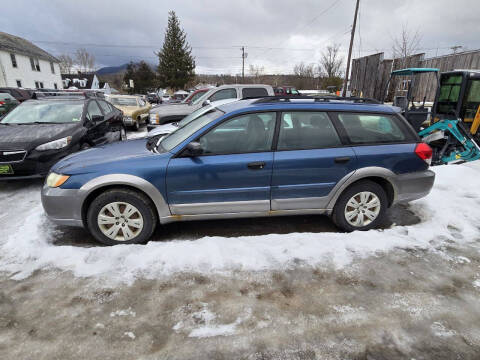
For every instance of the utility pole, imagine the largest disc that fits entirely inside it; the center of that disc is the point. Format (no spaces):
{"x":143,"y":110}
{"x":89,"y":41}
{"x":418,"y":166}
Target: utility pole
{"x":350,"y":50}
{"x":243,"y":64}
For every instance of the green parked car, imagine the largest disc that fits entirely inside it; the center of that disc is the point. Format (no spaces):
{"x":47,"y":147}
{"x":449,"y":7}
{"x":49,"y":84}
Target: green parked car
{"x":7,"y":103}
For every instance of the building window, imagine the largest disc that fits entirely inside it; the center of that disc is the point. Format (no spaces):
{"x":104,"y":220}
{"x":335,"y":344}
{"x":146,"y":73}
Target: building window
{"x":14,"y":60}
{"x":52,"y":67}
{"x":35,"y":64}
{"x":38,"y":84}
{"x":55,"y":86}
{"x":19,"y":83}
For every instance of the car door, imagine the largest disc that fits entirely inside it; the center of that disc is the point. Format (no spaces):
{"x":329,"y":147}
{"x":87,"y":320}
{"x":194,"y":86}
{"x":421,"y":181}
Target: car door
{"x":233,"y":173}
{"x":112,"y":120}
{"x":309,"y":160}
{"x":97,"y":125}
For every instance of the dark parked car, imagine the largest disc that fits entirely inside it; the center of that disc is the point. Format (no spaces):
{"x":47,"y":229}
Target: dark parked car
{"x":153,"y":98}
{"x":37,"y":133}
{"x":248,"y":158}
{"x":20,"y":94}
{"x":7,"y":103}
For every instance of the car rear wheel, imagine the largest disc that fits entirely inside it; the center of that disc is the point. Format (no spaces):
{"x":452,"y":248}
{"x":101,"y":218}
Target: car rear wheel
{"x":362,"y":206}
{"x":121,"y":216}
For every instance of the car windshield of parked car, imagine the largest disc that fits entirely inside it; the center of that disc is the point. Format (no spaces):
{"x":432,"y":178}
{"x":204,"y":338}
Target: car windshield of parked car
{"x":201,"y":98}
{"x":183,"y":133}
{"x":195,"y":97}
{"x":195,"y":115}
{"x":124,"y":101}
{"x":45,"y":112}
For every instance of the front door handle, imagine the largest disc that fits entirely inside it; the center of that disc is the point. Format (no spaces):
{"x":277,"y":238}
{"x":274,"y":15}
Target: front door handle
{"x":257,"y":165}
{"x":342,"y":160}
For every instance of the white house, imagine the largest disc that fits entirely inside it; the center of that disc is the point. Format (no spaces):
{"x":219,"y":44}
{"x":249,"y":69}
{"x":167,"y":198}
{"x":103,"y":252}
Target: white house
{"x":84,"y":81}
{"x":23,"y":64}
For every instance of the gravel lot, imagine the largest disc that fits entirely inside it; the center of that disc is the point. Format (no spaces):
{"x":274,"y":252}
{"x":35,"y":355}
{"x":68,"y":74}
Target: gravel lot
{"x":62,"y":296}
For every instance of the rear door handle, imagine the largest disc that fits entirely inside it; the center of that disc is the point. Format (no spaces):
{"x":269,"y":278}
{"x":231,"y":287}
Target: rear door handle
{"x":257,"y":165}
{"x":342,"y":160}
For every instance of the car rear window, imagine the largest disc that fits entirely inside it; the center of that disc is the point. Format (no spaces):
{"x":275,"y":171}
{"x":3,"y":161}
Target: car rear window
{"x":254,"y":92}
{"x":373,"y":128}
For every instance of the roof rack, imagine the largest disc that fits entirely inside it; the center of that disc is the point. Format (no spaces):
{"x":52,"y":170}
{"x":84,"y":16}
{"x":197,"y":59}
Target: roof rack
{"x":352,"y":100}
{"x":66,"y":94}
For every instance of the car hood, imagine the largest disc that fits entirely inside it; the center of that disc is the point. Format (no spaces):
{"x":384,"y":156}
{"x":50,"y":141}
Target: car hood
{"x":100,"y":157}
{"x":128,"y":110}
{"x":30,"y":136}
{"x":174,"y":109}
{"x":162,"y":130}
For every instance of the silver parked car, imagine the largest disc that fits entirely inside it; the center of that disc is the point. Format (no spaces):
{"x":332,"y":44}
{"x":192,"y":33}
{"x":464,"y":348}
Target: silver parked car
{"x":176,"y":112}
{"x":171,"y":127}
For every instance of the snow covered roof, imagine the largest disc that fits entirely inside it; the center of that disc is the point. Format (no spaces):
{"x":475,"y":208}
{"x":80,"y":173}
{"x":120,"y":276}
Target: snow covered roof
{"x":16,"y":44}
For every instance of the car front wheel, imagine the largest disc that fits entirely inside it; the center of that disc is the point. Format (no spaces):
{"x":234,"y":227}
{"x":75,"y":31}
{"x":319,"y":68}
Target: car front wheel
{"x":362,"y":206}
{"x":121,"y":216}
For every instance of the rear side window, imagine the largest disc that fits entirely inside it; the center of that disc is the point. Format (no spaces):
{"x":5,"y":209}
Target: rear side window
{"x":306,"y":130}
{"x":373,"y":128}
{"x":224,"y":94}
{"x":105,"y":107}
{"x":254,"y":92}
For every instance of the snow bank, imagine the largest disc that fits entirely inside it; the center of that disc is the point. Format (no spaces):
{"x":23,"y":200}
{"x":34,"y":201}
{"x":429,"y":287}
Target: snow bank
{"x":448,"y":213}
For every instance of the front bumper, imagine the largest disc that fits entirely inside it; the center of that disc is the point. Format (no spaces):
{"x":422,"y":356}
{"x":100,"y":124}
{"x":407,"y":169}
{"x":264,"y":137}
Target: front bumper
{"x":63,"y":206}
{"x":413,"y":186}
{"x":35,"y":165}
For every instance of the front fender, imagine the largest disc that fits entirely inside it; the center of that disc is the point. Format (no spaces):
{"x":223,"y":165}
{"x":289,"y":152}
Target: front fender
{"x":129,"y":180}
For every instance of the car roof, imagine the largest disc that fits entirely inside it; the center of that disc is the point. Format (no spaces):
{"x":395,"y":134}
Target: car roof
{"x":248,"y":105}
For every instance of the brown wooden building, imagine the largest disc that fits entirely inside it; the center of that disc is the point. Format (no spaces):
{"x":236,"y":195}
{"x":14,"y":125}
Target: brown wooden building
{"x":370,"y":73}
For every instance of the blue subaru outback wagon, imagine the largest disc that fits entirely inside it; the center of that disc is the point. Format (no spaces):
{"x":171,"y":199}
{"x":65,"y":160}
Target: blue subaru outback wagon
{"x":257,"y":157}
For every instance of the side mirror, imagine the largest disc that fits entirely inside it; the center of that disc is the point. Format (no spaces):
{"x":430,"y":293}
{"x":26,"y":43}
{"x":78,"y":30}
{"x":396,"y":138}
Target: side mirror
{"x":194,"y":149}
{"x":97,"y":118}
{"x":206,"y":102}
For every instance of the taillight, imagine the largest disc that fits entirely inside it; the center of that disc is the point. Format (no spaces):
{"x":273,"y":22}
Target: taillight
{"x":2,"y":102}
{"x":424,"y":152}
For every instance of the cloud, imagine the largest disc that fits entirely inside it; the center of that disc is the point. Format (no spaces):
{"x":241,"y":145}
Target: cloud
{"x":277,"y":34}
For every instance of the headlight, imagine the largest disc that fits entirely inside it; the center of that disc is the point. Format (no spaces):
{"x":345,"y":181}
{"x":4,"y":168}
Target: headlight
{"x":55,"y":180}
{"x":56,"y":144}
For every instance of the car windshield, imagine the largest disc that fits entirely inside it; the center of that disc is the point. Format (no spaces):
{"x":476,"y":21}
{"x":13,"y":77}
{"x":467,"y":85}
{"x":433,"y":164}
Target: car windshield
{"x":201,"y":98}
{"x":195,"y":115}
{"x":45,"y":112}
{"x":182,"y":133}
{"x":123,"y":101}
{"x":194,"y":97}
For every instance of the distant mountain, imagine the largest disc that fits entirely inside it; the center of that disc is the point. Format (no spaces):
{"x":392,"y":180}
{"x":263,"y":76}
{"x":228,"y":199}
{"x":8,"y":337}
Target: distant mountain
{"x":107,"y":70}
{"x":111,"y":69}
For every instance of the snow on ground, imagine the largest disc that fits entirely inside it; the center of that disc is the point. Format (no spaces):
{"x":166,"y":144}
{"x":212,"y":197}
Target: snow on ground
{"x":448,"y":213}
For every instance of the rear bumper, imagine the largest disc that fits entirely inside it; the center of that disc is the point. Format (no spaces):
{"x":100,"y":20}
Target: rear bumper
{"x":63,"y":206}
{"x":413,"y":186}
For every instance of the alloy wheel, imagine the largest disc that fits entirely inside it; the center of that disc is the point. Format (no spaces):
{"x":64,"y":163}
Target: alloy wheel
{"x":120,"y":221}
{"x":362,"y":209}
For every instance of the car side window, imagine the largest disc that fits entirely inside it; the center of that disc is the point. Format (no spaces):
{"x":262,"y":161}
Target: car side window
{"x":241,"y":134}
{"x":254,"y":92}
{"x":141,"y":102}
{"x":93,"y":110}
{"x":372,"y":128}
{"x":223,"y":94}
{"x":105,"y":107}
{"x":306,"y":130}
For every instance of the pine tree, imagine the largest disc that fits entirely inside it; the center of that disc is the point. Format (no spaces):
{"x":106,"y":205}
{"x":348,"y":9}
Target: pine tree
{"x":142,"y":75}
{"x":176,"y":65}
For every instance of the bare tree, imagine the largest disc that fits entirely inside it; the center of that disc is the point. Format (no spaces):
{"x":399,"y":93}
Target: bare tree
{"x":304,"y":76}
{"x":66,"y":64}
{"x":84,"y":60}
{"x":406,"y":45}
{"x":331,"y":62}
{"x":256,"y":71}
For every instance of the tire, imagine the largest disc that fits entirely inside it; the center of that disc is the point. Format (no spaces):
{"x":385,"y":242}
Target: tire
{"x":123,"y":134}
{"x":355,"y":216}
{"x":140,"y":224}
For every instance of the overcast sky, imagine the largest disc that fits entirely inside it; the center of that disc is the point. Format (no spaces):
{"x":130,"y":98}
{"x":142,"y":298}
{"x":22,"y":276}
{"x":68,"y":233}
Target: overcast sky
{"x":277,"y":34}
